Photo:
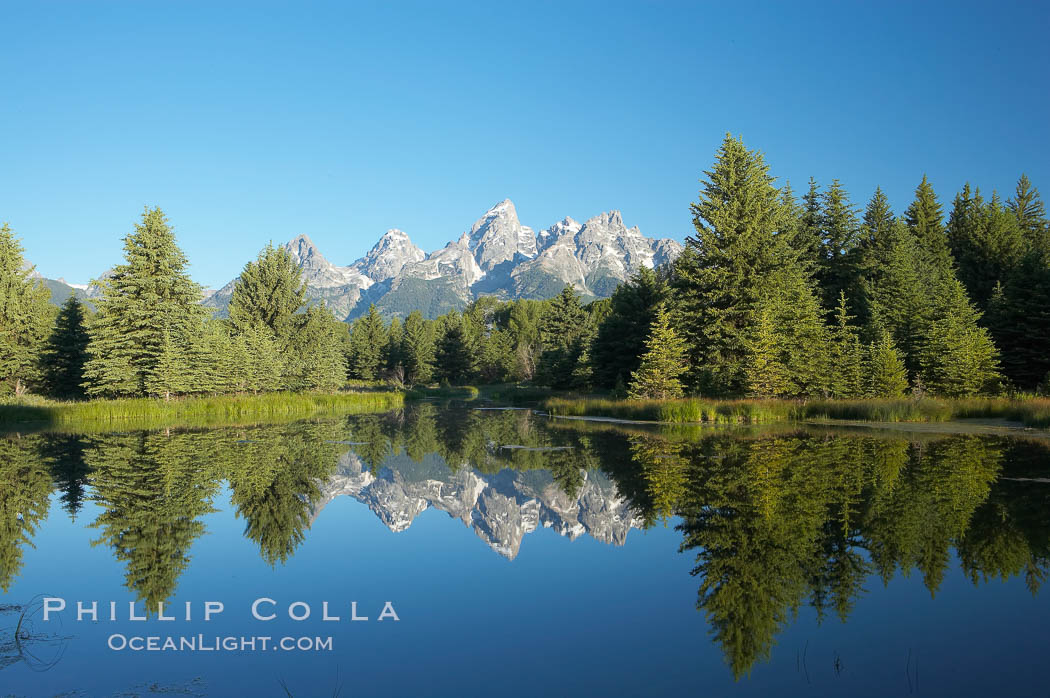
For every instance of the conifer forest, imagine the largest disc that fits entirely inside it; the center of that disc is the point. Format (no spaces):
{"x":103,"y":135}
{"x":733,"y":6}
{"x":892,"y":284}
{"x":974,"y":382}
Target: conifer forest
{"x":779,"y":293}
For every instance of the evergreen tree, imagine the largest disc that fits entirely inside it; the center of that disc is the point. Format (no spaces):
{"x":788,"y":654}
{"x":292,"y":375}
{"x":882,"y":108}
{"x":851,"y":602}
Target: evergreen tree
{"x":958,"y":358}
{"x":523,"y":323}
{"x":729,"y":265}
{"x":898,"y":295}
{"x":803,"y":334}
{"x":25,"y":318}
{"x":810,"y":238}
{"x":211,"y":357}
{"x":875,"y":230}
{"x":265,"y":365}
{"x":315,"y":359}
{"x":367,"y":342}
{"x":987,"y":244}
{"x":563,"y":319}
{"x":838,"y":255}
{"x":418,"y":349}
{"x":789,"y":340}
{"x":148,"y":298}
{"x":659,"y":374}
{"x":456,"y":353}
{"x":496,"y":357}
{"x":1030,"y":212}
{"x":766,"y":374}
{"x":847,"y":355}
{"x":925,"y":220}
{"x":169,"y":371}
{"x":271,"y":292}
{"x":886,"y":375}
{"x":791,"y":228}
{"x":239,"y":363}
{"x":64,"y":356}
{"x":393,"y":358}
{"x":874,"y":250}
{"x":1019,"y":318}
{"x":562,"y":334}
{"x":620,"y":340}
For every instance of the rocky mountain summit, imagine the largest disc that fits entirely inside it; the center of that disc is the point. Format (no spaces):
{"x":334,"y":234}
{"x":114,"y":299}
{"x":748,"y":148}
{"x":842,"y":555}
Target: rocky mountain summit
{"x":501,"y":508}
{"x":496,"y":256}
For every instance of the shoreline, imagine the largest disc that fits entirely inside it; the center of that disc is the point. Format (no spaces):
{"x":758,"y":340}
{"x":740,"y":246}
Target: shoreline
{"x":36,"y":414}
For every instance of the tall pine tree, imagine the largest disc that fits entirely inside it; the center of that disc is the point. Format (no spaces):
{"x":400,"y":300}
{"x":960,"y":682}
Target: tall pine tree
{"x":1019,"y":318}
{"x":736,"y":259}
{"x":663,"y":363}
{"x":367,"y":342}
{"x":837,"y":271}
{"x":418,"y":349}
{"x":1030,"y":212}
{"x":25,"y":318}
{"x":986,"y":242}
{"x":886,"y":376}
{"x":315,"y":358}
{"x":562,"y":332}
{"x":925,"y":219}
{"x":148,"y":298}
{"x":270,"y":291}
{"x":64,"y":356}
{"x":847,"y":355}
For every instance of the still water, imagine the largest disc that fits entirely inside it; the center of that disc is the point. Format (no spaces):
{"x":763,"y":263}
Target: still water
{"x":501,"y":553}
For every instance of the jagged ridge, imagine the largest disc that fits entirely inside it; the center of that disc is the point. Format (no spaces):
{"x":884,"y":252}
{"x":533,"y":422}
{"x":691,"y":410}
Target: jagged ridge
{"x":501,"y":508}
{"x":496,"y":256}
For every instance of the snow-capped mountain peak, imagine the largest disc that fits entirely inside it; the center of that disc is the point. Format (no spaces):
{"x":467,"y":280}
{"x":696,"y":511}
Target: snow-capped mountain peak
{"x":497,"y":255}
{"x":499,"y":237}
{"x":389,"y":256}
{"x":318,"y":271}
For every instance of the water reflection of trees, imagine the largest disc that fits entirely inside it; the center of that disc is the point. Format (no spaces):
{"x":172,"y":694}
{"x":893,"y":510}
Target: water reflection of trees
{"x":484,"y":440}
{"x":153,"y":490}
{"x":791,"y":519}
{"x":777,"y":521}
{"x":275,"y":478}
{"x":25,"y":485}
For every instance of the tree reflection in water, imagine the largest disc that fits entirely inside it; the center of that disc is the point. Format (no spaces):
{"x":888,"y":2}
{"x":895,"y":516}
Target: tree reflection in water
{"x":805,"y":518}
{"x":777,"y":519}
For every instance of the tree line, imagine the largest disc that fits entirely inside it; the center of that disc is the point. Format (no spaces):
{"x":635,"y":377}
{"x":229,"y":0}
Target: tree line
{"x":149,"y":334}
{"x":776,"y":296}
{"x":773,"y":296}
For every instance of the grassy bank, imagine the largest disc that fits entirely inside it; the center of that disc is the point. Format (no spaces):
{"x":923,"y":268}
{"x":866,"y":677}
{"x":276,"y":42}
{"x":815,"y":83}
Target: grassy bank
{"x":1034,"y":412}
{"x":683,"y":410}
{"x":151,"y":413}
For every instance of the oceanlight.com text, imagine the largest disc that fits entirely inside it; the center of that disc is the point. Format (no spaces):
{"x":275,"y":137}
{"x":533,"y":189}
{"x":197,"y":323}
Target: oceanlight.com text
{"x":201,"y":643}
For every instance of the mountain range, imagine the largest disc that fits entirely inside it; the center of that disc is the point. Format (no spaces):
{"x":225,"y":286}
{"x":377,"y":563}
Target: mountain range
{"x":497,"y":256}
{"x":501,"y":508}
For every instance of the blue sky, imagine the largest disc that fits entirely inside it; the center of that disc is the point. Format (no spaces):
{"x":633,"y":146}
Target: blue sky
{"x":256,"y":121}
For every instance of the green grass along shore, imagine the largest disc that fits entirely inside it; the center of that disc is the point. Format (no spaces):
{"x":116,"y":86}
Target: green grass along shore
{"x":1032,"y":412}
{"x":154,"y":413}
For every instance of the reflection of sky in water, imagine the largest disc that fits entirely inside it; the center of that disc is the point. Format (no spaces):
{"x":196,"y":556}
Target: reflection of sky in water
{"x":564,"y":616}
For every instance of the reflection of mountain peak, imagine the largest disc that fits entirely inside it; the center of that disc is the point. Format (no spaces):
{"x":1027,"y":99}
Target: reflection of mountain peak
{"x":501,"y":508}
